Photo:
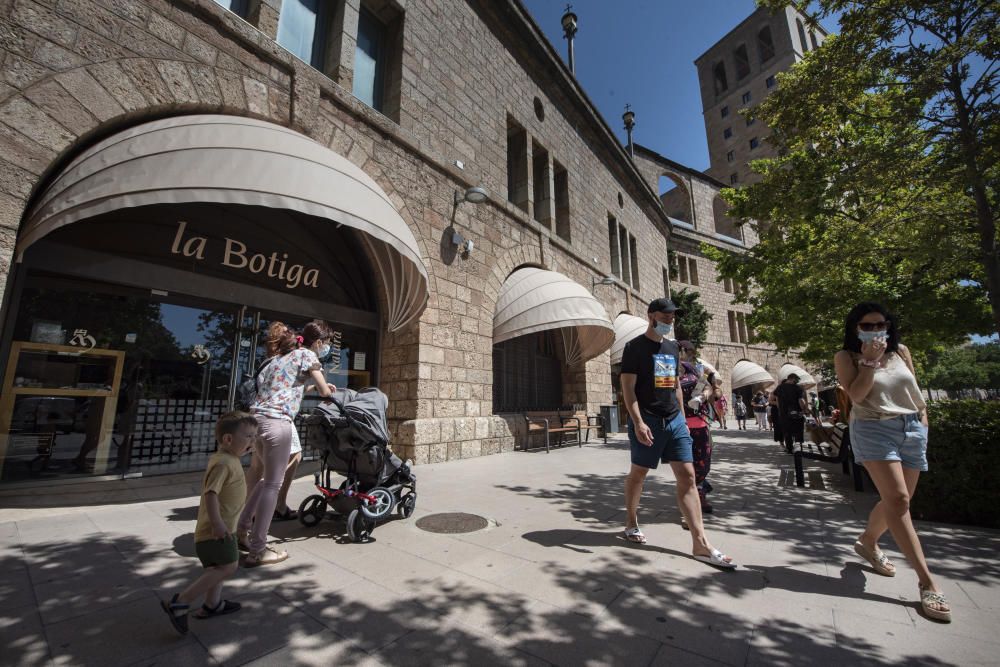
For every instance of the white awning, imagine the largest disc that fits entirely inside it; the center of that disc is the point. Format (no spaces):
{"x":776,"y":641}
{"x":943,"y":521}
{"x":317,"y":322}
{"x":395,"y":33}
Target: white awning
{"x":533,"y":300}
{"x":747,"y":373}
{"x":806,"y":381}
{"x":627,"y":327}
{"x":238,"y":161}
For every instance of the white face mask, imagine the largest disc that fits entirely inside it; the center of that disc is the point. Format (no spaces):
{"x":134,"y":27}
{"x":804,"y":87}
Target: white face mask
{"x":664,"y":329}
{"x":871,"y":336}
{"x":323,"y":351}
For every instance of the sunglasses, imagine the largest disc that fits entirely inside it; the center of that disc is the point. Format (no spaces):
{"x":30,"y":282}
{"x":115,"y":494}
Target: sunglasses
{"x":873,"y":326}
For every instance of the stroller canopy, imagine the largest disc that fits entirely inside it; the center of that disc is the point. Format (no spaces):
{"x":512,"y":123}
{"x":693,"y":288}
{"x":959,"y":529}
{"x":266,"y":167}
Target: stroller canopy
{"x":364,"y":410}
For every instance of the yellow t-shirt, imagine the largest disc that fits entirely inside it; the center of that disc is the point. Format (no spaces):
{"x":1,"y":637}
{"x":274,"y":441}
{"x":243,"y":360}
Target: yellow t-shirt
{"x":224,"y":476}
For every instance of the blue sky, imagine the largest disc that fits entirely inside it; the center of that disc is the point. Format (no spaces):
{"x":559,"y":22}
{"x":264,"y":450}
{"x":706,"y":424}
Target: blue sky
{"x":642,"y":52}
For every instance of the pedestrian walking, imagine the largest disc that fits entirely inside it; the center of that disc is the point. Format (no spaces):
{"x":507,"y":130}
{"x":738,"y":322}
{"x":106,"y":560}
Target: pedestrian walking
{"x":223,"y":491}
{"x":720,"y":402}
{"x":697,"y":393}
{"x":792,"y":411}
{"x":657,"y":428}
{"x":282,"y":384}
{"x":740,"y":410}
{"x":888,"y":426}
{"x":760,"y":410}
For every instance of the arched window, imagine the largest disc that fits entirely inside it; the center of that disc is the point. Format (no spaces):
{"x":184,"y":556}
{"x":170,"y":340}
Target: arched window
{"x":675,"y":198}
{"x":812,"y":38}
{"x":765,"y":44}
{"x":742,"y":61}
{"x":802,"y":36}
{"x":719,"y":75}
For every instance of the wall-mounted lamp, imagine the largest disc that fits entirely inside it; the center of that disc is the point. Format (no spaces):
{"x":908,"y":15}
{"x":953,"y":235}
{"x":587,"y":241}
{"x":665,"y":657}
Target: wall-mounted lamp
{"x":606,"y":280}
{"x":474,"y":195}
{"x":464,"y":244}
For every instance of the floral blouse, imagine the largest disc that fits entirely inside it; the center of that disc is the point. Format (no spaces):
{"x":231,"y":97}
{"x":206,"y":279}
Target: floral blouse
{"x":282,"y":384}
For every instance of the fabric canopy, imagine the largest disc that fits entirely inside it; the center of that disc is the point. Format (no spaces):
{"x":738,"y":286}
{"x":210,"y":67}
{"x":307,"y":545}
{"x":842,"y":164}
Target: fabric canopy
{"x":747,"y":373}
{"x":239,"y":161}
{"x":533,"y":300}
{"x":806,"y":381}
{"x":627,"y":327}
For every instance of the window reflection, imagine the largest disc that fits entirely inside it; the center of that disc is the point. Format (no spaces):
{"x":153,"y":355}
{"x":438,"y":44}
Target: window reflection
{"x":301,"y":29}
{"x":369,"y":61}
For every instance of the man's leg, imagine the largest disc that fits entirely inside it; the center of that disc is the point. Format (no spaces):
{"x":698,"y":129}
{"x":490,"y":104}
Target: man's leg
{"x":633,"y":492}
{"x":687,"y":500}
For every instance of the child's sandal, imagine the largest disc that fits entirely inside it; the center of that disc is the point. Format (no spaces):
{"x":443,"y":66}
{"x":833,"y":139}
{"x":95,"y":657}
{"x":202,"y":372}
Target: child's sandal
{"x":224,"y":607}
{"x":178,"y":620}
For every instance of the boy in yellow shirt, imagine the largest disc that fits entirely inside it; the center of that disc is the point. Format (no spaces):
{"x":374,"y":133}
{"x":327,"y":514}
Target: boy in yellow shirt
{"x":222,"y":497}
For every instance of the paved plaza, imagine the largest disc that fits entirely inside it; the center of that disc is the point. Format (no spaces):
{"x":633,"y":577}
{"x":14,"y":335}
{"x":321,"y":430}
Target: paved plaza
{"x":550,"y":581}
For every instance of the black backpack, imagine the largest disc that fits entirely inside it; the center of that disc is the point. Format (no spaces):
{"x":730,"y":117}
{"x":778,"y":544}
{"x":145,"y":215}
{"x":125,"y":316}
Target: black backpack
{"x":246,"y":395}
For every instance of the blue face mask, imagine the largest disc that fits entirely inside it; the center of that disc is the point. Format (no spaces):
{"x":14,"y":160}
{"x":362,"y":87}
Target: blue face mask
{"x":870,"y":336}
{"x":323,"y":352}
{"x":664,"y":329}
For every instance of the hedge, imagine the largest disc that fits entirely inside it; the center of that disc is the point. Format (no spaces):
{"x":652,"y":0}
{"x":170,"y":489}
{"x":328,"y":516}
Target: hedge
{"x":963,"y":484}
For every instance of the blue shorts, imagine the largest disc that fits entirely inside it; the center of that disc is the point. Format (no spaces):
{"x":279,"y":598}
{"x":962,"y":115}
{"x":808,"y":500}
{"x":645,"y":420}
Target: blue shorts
{"x":901,"y":438}
{"x":671,"y":441}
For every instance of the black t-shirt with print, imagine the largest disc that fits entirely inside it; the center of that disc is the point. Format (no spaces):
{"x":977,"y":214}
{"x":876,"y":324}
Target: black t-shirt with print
{"x":788,"y":398}
{"x":656,"y":367}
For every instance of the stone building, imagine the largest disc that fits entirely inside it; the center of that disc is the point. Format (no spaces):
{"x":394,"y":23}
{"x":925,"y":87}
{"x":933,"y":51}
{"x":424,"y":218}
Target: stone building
{"x":738,"y":72}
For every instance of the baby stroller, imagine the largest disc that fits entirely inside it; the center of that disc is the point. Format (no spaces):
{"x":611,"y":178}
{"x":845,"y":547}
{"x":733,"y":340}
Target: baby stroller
{"x":350,"y":430}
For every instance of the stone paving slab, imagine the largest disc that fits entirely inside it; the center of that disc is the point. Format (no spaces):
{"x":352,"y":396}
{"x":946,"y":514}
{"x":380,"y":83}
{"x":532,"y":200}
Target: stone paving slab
{"x":551,"y":581}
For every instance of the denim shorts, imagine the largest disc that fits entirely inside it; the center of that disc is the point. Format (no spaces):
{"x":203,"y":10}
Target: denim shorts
{"x":901,"y":438}
{"x":671,"y":441}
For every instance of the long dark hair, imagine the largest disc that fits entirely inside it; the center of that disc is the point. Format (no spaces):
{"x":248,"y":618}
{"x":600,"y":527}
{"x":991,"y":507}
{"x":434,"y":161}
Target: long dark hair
{"x":314,"y":331}
{"x":851,"y":340}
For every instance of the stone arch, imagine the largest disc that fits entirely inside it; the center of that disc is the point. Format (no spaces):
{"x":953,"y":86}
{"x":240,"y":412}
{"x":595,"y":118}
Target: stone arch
{"x":675,"y":196}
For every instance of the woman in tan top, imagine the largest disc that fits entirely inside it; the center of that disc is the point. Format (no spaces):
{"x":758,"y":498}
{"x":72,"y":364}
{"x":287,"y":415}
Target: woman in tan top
{"x":889,"y":437}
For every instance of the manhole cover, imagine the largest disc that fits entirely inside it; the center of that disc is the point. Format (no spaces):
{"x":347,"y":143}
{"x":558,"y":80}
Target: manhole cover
{"x":452,"y":522}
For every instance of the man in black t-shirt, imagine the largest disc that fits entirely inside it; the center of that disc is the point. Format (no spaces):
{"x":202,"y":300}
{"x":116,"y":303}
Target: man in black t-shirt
{"x":792,"y":409}
{"x":657,"y":428}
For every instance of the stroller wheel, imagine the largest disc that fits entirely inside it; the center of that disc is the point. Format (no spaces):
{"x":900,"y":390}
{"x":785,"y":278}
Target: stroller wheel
{"x":312,"y":510}
{"x":407,"y":505}
{"x":359,"y":526}
{"x":383,"y":505}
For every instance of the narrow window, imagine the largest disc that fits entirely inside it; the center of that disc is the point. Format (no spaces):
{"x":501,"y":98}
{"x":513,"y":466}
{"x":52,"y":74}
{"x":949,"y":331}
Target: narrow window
{"x":724,"y":111}
{"x":765,"y":45}
{"x":626,"y":261}
{"x":742,"y":61}
{"x":693,"y":270}
{"x":802,"y":36}
{"x":682,"y":269}
{"x":741,"y":325}
{"x":730,"y":157}
{"x":633,"y":252}
{"x":734,"y":335}
{"x":733,"y":179}
{"x":541,"y":184}
{"x":666,"y":280}
{"x":616,"y":256}
{"x":369,"y":60}
{"x":746,"y":97}
{"x":754,"y":143}
{"x":719,"y":75}
{"x":770,"y":81}
{"x":726,"y":133}
{"x":812,"y":38}
{"x":302,"y":29}
{"x":751,"y":121}
{"x":517,"y":165}
{"x":560,"y":178}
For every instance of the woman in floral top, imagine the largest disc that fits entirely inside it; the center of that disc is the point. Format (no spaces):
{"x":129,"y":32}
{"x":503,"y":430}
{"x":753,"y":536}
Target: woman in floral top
{"x":294,"y":363}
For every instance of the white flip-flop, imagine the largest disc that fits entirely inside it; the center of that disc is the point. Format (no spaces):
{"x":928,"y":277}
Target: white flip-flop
{"x":717,"y":559}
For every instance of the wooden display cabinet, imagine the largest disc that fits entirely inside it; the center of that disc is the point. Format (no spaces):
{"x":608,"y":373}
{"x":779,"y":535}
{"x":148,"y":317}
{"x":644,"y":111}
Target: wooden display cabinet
{"x":62,"y":371}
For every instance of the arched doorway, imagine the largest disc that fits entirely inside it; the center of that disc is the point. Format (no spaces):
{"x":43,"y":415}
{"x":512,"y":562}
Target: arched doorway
{"x":149,"y":269}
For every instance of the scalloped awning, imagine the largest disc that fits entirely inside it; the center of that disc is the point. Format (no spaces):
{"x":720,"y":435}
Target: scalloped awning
{"x":235,"y":160}
{"x":806,"y":381}
{"x":533,"y":300}
{"x":747,"y":373}
{"x":627,"y":327}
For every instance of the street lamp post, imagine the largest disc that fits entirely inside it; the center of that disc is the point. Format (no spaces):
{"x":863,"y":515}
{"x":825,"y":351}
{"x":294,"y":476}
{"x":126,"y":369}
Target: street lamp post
{"x":569,"y":25}
{"x":629,"y":118}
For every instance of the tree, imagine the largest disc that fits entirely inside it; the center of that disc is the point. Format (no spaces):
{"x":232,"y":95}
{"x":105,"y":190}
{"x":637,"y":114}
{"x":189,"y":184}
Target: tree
{"x":884,"y":187}
{"x":693,"y":326}
{"x":966,"y":367}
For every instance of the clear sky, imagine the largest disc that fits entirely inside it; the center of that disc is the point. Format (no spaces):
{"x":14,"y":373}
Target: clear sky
{"x":642,"y":52}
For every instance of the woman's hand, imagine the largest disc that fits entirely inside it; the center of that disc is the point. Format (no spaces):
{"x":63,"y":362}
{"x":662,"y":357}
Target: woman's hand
{"x":874,"y":350}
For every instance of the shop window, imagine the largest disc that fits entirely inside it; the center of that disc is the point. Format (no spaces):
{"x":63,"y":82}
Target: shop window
{"x":541,"y":184}
{"x":742,"y":61}
{"x":765,"y":44}
{"x":724,"y":111}
{"x":561,"y":181}
{"x":633,"y":252}
{"x":517,"y":165}
{"x":727,"y":133}
{"x":616,"y":256}
{"x":527,"y":373}
{"x":770,"y":81}
{"x":802,"y":35}
{"x":719,"y":76}
{"x":238,"y":7}
{"x":303,"y":28}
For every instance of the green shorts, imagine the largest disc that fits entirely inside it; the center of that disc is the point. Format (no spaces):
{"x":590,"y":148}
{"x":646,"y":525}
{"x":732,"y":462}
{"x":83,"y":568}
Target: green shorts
{"x":217,"y":552}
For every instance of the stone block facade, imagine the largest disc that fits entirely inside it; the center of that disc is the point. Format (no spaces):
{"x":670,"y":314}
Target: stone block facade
{"x":462,"y":74}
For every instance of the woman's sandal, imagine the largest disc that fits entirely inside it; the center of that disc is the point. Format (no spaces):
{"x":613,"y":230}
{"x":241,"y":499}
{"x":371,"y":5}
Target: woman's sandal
{"x":288,"y":515}
{"x":634,"y":535}
{"x":717,"y":559}
{"x":178,"y":620}
{"x":876,"y":558}
{"x":224,"y":607}
{"x":928,"y":598}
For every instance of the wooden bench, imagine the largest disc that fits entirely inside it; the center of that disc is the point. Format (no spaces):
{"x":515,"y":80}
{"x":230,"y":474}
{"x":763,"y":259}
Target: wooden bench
{"x":831,"y":444}
{"x":549,"y":422}
{"x":590,"y":423}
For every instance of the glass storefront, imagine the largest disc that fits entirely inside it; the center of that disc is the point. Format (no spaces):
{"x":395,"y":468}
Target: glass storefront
{"x":128,"y":375}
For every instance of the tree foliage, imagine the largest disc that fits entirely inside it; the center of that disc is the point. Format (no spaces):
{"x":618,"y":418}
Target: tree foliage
{"x":693,"y":326}
{"x":966,"y":367}
{"x":884,"y":187}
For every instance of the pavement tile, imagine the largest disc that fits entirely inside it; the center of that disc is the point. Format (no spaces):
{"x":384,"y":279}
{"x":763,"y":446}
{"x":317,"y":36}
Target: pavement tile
{"x":320,"y":649}
{"x":671,"y":656}
{"x":98,"y":588}
{"x":190,"y":653}
{"x":22,"y":638}
{"x":453,"y":644}
{"x":15,"y":585}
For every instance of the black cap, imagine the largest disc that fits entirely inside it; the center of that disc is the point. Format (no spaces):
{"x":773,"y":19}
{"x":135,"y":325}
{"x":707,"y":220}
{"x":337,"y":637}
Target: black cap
{"x":663,"y":305}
